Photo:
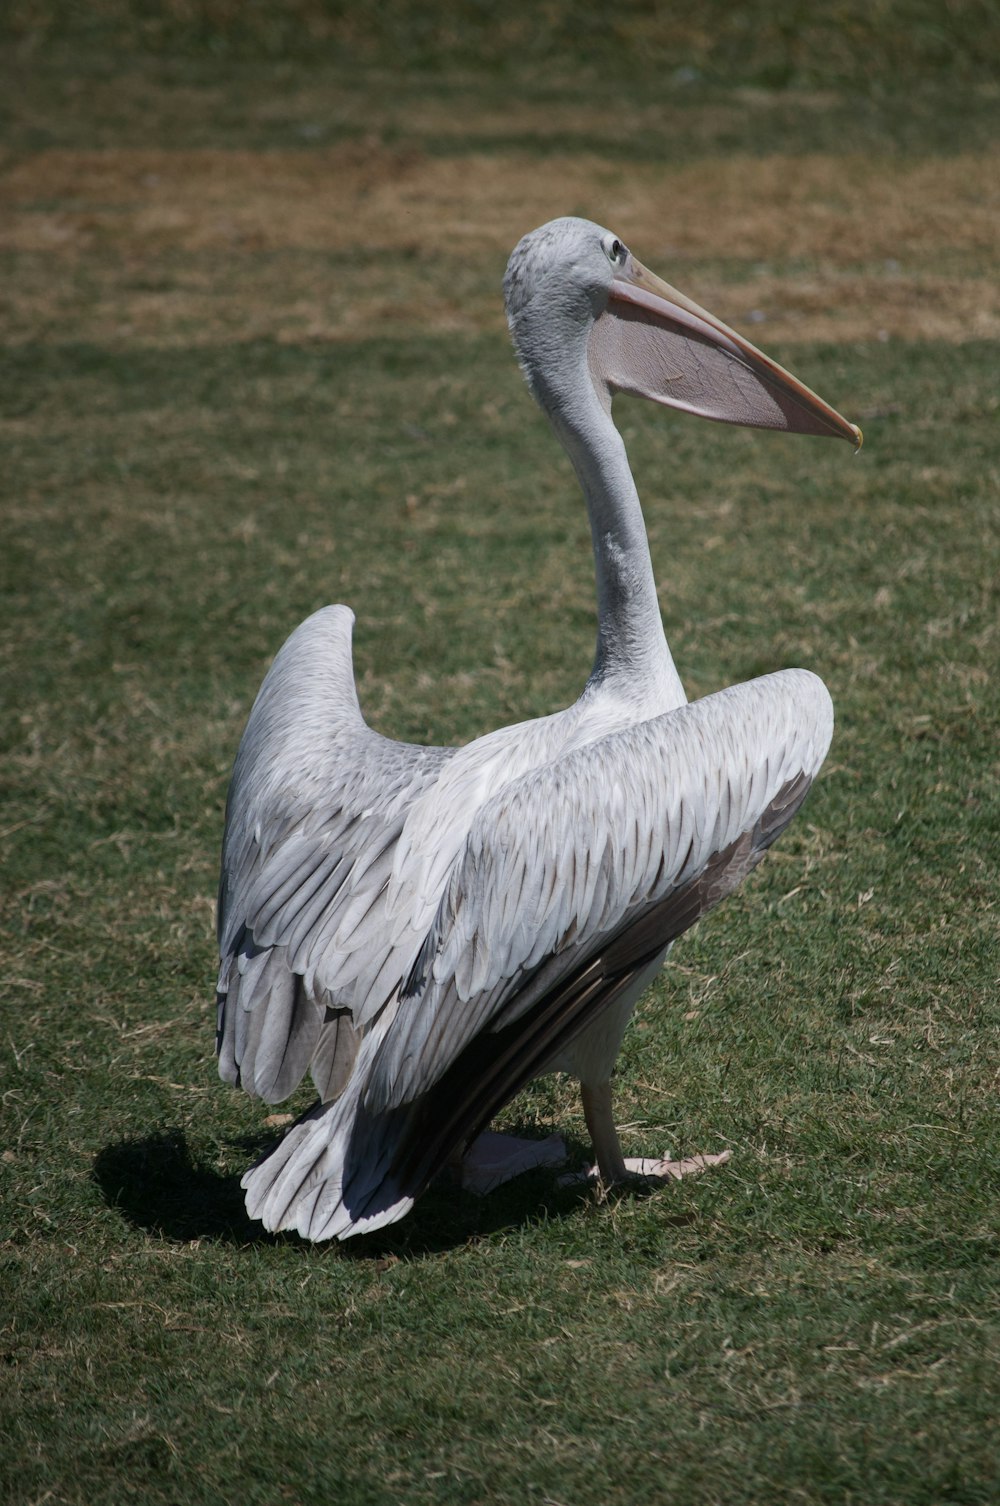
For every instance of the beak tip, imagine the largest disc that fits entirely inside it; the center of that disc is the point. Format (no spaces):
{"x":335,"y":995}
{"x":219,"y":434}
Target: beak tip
{"x":858,"y":437}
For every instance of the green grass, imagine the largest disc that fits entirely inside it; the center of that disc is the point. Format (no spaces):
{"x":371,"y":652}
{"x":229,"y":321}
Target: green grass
{"x":771,"y":46}
{"x":815,"y":1323}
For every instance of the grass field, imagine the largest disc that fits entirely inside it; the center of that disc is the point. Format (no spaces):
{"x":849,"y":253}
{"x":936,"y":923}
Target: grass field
{"x":254,"y":360}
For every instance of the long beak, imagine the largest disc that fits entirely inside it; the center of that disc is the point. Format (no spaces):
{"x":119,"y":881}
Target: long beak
{"x":667,"y":348}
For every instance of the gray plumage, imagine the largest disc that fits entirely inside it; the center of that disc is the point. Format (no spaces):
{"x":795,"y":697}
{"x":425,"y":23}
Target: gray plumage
{"x":425,"y":929}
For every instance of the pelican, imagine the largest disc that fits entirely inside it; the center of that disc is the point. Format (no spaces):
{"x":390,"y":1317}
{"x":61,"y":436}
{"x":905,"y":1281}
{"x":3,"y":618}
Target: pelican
{"x":424,"y":930}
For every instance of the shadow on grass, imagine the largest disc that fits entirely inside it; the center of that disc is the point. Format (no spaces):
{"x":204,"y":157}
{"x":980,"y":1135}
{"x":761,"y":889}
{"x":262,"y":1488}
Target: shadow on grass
{"x":158,"y":1185}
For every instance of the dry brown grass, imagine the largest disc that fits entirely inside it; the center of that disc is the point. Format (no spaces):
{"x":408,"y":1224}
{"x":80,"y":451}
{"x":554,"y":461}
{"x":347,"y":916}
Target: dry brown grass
{"x":196,"y":246}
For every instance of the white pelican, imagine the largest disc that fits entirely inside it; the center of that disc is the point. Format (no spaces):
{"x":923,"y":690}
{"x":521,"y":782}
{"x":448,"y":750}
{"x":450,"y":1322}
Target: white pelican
{"x":426,"y":929}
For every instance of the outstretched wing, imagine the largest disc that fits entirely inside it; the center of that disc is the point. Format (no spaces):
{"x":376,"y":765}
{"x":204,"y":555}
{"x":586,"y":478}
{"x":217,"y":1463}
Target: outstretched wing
{"x":574,"y":879}
{"x":316,"y":806}
{"x":570,"y":881}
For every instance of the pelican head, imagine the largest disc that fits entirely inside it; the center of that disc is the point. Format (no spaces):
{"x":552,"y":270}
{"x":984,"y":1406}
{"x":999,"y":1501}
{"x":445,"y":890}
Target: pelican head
{"x":586,"y":316}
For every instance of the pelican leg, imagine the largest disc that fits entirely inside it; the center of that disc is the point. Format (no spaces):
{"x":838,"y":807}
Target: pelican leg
{"x":612,"y":1167}
{"x":492,"y":1159}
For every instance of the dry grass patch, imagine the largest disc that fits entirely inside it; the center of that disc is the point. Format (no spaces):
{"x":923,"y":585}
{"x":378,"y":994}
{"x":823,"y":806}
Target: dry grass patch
{"x":368,"y":196}
{"x":195,"y":247}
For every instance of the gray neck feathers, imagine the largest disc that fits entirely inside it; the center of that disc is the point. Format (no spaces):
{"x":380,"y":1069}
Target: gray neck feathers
{"x":554,"y":357}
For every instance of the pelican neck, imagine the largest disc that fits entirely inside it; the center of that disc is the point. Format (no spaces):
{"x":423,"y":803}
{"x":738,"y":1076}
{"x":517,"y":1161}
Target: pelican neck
{"x":631,"y":643}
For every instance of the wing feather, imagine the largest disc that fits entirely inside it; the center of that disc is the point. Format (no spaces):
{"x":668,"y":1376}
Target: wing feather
{"x":316,"y":806}
{"x":715,"y":782}
{"x":437,"y":1062}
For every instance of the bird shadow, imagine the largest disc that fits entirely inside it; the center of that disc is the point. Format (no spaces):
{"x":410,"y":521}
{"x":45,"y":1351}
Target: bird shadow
{"x":159,"y":1185}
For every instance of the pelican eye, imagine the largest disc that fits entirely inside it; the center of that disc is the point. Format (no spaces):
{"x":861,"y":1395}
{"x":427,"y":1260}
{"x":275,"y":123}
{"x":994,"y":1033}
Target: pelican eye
{"x":615,"y":251}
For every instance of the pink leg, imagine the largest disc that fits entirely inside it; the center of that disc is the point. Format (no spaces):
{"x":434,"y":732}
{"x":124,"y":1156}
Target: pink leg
{"x":612,"y":1167}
